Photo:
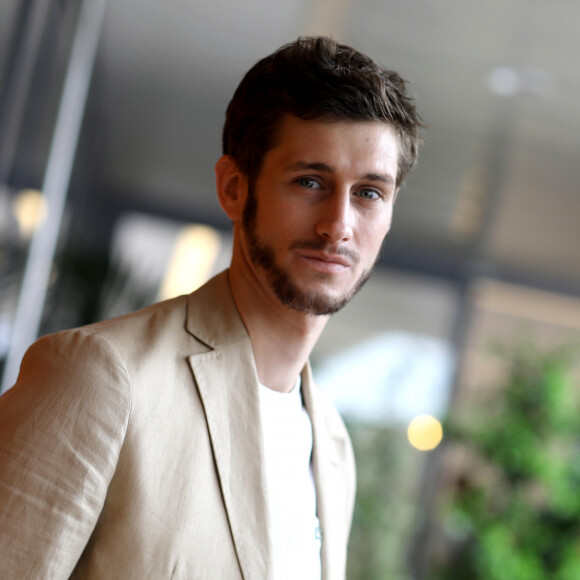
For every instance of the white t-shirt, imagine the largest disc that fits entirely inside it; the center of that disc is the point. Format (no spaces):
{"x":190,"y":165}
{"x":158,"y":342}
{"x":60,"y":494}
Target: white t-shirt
{"x":287,"y":439}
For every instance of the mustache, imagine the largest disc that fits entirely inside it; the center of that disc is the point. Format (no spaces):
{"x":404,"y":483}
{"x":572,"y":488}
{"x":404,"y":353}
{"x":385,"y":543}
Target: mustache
{"x":322,"y":246}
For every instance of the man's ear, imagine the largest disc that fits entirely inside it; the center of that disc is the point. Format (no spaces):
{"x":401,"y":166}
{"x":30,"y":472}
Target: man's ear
{"x":232,"y":187}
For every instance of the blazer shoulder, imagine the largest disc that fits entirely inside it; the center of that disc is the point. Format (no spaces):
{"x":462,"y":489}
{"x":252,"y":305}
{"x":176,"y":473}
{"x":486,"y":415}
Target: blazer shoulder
{"x":79,"y":358}
{"x":63,"y":426}
{"x":150,"y":334}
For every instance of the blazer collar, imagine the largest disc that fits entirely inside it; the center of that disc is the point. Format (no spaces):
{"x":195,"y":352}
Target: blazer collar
{"x":212,"y":316}
{"x":330,"y":458}
{"x":228,"y":384}
{"x":227,"y":380}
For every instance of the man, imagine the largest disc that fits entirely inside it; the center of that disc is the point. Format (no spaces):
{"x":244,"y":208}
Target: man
{"x":187,"y":440}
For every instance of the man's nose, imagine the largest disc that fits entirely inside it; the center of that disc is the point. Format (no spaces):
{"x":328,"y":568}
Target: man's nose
{"x":336,"y":221}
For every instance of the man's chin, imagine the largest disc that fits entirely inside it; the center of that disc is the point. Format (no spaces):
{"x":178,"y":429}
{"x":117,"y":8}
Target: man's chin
{"x":315,"y":304}
{"x":318,"y":302}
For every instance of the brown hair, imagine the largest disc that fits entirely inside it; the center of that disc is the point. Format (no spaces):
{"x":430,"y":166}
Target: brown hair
{"x":317,"y":78}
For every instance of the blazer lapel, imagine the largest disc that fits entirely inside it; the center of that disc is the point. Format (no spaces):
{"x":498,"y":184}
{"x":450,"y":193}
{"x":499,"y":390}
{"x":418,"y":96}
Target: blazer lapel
{"x":329,"y":458}
{"x":227,"y":381}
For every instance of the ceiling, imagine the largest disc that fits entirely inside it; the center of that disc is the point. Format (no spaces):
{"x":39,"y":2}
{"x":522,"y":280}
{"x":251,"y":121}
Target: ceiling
{"x":498,"y":83}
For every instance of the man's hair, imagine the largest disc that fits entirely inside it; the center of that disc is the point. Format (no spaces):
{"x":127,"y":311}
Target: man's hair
{"x":317,"y":78}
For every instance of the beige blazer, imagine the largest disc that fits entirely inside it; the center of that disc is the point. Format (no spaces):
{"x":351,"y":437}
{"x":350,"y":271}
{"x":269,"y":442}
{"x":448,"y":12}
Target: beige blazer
{"x":132,"y":449}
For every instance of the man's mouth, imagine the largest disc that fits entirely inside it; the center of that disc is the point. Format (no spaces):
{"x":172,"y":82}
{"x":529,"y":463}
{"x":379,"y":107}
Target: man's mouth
{"x":326,"y":262}
{"x":319,"y":256}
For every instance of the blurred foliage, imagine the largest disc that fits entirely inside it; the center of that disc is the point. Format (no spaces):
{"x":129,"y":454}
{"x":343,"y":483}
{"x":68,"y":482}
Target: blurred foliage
{"x":388,"y":473}
{"x":516,"y":511}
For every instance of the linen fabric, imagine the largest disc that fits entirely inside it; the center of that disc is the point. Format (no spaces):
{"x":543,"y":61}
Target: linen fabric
{"x":132,"y":449}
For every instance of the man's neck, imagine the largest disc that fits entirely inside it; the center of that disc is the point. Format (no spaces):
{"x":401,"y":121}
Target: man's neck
{"x":282,"y":338}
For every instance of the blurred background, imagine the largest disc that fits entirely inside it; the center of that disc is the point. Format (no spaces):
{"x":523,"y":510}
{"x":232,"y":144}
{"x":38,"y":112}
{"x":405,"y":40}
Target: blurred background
{"x":456,"y":368}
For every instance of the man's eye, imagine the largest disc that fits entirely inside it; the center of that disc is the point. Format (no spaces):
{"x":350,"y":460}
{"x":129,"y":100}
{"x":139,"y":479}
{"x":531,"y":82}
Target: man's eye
{"x":308,"y":183}
{"x":369,"y":194}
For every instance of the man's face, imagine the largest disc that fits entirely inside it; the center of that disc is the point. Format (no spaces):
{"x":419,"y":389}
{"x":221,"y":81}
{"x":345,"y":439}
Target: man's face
{"x":316,"y":217}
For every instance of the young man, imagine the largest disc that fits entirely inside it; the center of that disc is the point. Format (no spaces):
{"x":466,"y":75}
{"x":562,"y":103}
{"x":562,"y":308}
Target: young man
{"x":187,"y":440}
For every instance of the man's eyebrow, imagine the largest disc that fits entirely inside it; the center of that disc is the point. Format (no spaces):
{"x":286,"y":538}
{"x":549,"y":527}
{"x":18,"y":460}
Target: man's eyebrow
{"x":318,"y":166}
{"x":383,"y":177}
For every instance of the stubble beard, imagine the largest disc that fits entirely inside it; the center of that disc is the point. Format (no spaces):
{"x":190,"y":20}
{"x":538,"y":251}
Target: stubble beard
{"x":280,"y":281}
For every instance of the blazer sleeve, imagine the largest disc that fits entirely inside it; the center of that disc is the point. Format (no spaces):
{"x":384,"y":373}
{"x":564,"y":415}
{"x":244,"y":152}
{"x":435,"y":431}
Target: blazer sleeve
{"x":62,"y":426}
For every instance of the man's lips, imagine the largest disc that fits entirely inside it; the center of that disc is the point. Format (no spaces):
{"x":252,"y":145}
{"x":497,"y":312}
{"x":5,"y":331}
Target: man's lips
{"x":318,"y":250}
{"x":327,"y":258}
{"x":323,"y":258}
{"x":326,"y":263}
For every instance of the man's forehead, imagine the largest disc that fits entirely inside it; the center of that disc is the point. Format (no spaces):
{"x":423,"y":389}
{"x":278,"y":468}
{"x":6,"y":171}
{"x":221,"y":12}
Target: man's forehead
{"x":321,"y":143}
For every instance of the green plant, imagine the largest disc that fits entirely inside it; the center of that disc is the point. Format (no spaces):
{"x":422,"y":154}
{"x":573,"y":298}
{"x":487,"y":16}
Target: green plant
{"x":518,"y":506}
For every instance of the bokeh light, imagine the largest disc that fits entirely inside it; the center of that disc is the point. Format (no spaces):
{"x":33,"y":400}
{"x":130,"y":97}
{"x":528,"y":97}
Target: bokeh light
{"x":425,"y":432}
{"x":30,"y":209}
